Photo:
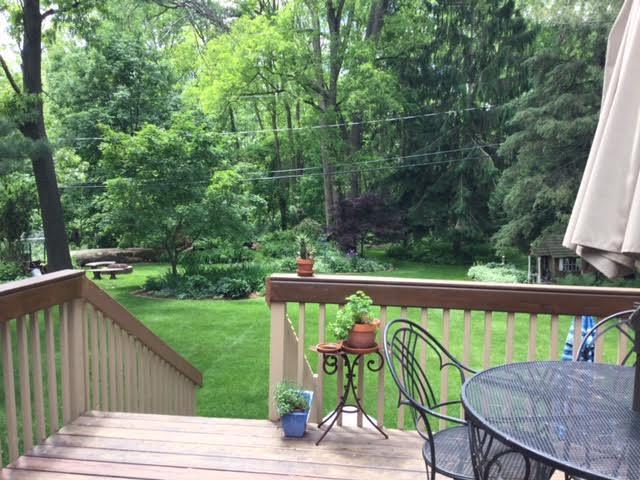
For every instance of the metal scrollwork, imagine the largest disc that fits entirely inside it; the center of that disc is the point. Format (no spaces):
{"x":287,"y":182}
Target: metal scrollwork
{"x":376,"y":363}
{"x":350,"y":401}
{"x":330,"y":363}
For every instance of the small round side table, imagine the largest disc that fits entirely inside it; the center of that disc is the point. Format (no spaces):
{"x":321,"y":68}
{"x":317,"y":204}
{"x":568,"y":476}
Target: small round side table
{"x":350,"y":401}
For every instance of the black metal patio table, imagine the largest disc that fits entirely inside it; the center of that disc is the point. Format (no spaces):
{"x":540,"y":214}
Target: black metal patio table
{"x":571,"y":416}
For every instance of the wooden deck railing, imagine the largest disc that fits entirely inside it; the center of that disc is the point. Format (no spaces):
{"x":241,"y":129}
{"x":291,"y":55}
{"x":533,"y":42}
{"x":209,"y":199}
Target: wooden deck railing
{"x":77,"y":349}
{"x":488,"y":319}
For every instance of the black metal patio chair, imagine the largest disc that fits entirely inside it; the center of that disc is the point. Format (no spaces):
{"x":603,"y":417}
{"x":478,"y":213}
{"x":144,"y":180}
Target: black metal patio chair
{"x":446,"y":452}
{"x":619,"y":322}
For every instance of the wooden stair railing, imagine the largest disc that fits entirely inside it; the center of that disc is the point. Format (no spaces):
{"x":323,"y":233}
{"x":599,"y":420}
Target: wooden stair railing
{"x":504,"y":311}
{"x":68,"y":347}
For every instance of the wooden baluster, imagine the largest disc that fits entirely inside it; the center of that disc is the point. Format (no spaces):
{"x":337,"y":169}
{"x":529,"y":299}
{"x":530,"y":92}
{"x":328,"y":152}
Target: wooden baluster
{"x":381,"y":391}
{"x":140,"y":380}
{"x":554,"y":337}
{"x":623,"y":348}
{"x":444,"y":374}
{"x":77,"y":326}
{"x":466,"y":346}
{"x":404,"y":313}
{"x":130,"y":372}
{"x":25,"y":385}
{"x":95,"y":363}
{"x":64,"y":363}
{"x":276,"y":352}
{"x":148,"y":364}
{"x":104,"y":382}
{"x":533,"y":337}
{"x":38,"y":388}
{"x":117,"y":352}
{"x":86,"y":311}
{"x":322,"y":335}
{"x":599,"y":347}
{"x":488,"y":339}
{"x":302,"y":319}
{"x":511,"y":331}
{"x":466,"y":352}
{"x":113,"y":377}
{"x":52,"y":380}
{"x":577,"y":335}
{"x":9,"y":390}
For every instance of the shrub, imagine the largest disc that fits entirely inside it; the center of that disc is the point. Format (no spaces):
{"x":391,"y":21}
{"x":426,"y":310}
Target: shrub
{"x":10,"y":271}
{"x":289,"y":398}
{"x":279,"y":244}
{"x":233,"y":288}
{"x":309,"y":228}
{"x":333,"y":261}
{"x":498,"y":273}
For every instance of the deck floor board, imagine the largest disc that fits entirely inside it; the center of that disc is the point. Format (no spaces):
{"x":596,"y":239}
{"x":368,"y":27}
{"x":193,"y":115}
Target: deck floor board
{"x":110,"y":446}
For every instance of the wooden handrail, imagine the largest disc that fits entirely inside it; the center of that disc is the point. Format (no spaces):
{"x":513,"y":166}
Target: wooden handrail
{"x":103,"y":302}
{"x":25,"y":296}
{"x":391,"y":291}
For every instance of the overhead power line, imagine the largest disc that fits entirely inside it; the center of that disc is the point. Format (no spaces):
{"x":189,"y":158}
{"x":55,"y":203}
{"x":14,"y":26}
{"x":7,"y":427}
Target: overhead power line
{"x":332,"y":125}
{"x":268,"y":176}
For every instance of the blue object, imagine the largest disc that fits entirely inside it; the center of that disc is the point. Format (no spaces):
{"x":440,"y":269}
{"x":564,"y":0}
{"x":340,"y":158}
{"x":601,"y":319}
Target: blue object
{"x":294,"y":424}
{"x":588,"y":322}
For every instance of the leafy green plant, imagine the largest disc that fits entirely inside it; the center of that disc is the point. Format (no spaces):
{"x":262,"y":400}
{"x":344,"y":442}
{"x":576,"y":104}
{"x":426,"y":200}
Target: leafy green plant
{"x":306,"y":249}
{"x":289,"y":398}
{"x":359,"y":309}
{"x":492,"y":272}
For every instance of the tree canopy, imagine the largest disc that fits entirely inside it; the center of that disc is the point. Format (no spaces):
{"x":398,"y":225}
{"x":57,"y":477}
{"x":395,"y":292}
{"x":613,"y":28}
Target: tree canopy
{"x":168,"y":121}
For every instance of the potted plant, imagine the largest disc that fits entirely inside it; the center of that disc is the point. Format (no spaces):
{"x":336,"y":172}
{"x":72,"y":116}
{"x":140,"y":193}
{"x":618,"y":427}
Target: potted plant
{"x":294,"y":405}
{"x":354,"y":324}
{"x":305,"y":256}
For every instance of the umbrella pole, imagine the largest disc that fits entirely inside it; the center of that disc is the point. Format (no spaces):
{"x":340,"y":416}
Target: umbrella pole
{"x":634,"y":322}
{"x":636,"y":380}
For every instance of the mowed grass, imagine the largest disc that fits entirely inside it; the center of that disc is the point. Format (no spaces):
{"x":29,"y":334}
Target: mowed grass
{"x":228,"y":341}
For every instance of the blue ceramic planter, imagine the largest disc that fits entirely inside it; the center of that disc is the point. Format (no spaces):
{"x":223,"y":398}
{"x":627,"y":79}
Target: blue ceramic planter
{"x":294,"y":424}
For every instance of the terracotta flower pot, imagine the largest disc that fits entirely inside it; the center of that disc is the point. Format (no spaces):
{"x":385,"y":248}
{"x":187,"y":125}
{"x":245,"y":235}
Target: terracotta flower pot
{"x":305,"y":267}
{"x":363,"y":335}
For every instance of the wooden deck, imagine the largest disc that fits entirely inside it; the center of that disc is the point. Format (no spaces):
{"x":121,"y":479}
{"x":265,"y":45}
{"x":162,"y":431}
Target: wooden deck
{"x":124,"y":445}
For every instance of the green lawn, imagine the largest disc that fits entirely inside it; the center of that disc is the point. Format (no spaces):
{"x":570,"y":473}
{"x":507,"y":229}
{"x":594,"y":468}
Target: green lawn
{"x":229,"y":340}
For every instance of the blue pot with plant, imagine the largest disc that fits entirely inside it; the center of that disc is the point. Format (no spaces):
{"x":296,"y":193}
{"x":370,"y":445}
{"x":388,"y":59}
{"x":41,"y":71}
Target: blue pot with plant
{"x":294,"y":405}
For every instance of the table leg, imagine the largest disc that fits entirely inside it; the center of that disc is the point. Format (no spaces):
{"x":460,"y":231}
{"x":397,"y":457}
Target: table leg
{"x":349,"y":390}
{"x":493,"y":460}
{"x":97,"y":276}
{"x":112,"y":275}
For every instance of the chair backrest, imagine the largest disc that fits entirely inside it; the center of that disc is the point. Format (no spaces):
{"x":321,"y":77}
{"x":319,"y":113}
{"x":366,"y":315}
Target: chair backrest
{"x":594,"y":338}
{"x":407,"y":346}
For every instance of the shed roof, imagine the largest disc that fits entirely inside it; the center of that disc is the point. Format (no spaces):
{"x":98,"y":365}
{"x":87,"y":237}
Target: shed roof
{"x":551,"y":246}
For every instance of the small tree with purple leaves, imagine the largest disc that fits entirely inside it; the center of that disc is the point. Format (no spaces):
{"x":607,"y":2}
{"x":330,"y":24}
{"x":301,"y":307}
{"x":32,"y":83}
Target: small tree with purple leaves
{"x":368,"y":216}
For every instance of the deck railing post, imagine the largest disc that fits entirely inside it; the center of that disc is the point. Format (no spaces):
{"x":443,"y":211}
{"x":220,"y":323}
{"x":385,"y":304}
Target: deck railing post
{"x":276,"y":353}
{"x":76,"y":357}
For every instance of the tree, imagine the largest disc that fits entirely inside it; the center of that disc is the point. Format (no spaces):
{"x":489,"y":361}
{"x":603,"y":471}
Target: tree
{"x":464,"y":59}
{"x":162,"y":189}
{"x":369,"y":215}
{"x":30,"y":19}
{"x":551,"y":133}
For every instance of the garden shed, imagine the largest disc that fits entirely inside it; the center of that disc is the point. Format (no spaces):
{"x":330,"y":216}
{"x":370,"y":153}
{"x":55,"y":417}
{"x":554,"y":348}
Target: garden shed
{"x":549,"y":260}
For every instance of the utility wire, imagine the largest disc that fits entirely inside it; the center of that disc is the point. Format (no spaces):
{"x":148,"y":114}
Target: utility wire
{"x":285,"y":177}
{"x":332,"y":125}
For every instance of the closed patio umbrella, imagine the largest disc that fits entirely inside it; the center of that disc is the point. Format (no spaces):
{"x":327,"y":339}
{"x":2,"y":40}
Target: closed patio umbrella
{"x":604,"y":228}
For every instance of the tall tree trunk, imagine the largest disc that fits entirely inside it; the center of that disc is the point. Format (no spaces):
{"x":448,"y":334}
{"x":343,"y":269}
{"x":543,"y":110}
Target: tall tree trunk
{"x":42,"y":156}
{"x":281,"y":185}
{"x":234,"y":129}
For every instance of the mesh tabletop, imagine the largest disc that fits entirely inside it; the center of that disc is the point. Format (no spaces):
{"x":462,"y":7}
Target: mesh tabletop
{"x":575,"y":416}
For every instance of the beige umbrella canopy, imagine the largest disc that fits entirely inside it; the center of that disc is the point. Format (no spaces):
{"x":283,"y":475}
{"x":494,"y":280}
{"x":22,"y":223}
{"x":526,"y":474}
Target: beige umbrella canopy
{"x":604,"y":228}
